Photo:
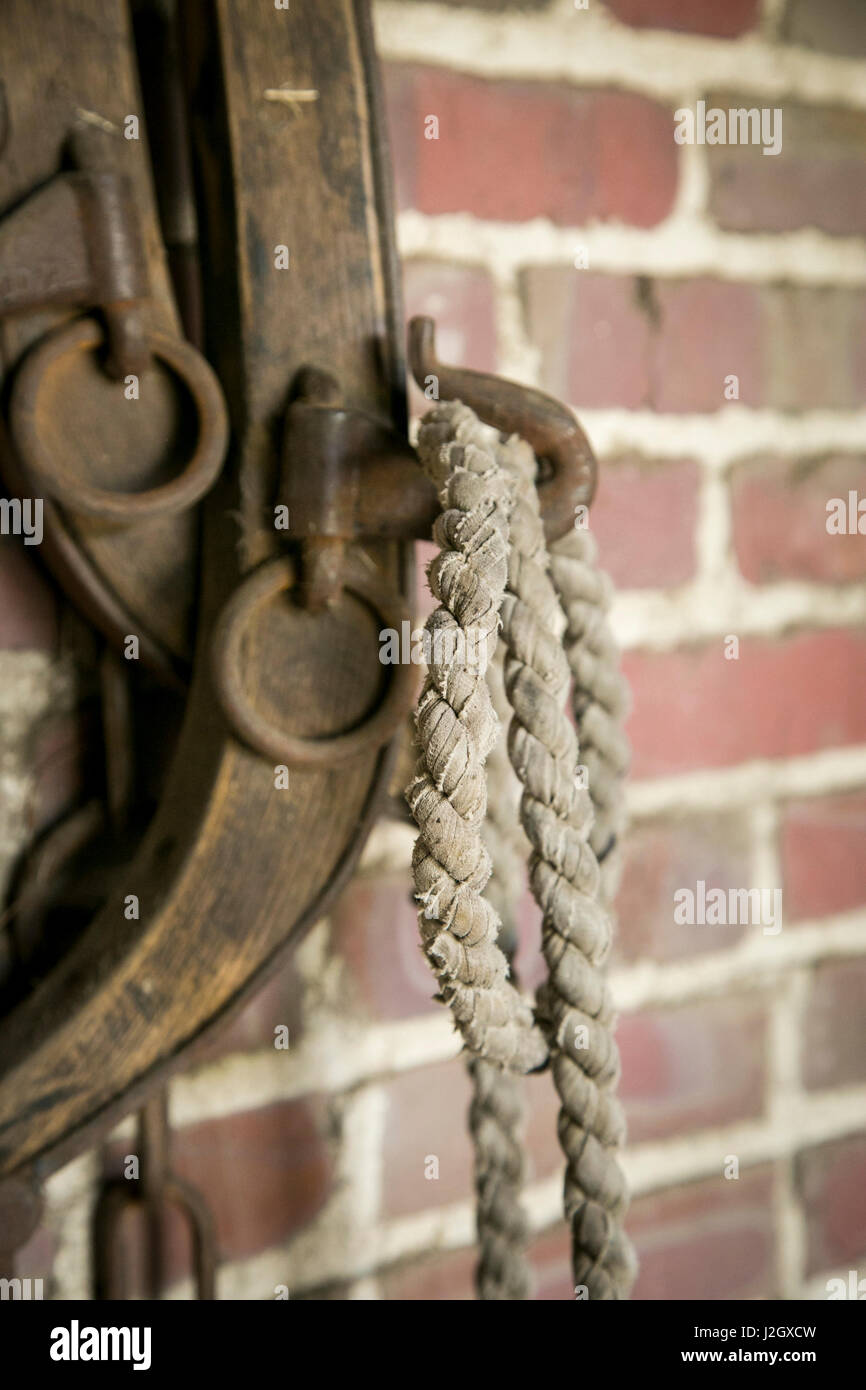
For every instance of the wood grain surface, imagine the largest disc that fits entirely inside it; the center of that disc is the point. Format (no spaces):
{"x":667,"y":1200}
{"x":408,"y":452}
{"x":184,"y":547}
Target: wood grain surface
{"x":232,"y":870}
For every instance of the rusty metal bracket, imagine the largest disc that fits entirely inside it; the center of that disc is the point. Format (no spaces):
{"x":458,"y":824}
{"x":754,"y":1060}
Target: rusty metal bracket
{"x":347,"y":475}
{"x":76,"y":241}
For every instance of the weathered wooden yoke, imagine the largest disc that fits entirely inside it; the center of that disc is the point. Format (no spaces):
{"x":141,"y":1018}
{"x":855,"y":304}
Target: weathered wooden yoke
{"x":238,"y":533}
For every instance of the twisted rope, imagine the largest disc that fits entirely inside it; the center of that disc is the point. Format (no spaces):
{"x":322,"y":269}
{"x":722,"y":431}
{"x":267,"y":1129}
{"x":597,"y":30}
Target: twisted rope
{"x":496,"y":1112}
{"x":491,"y":536}
{"x":600,"y":696}
{"x":496,"y":1121}
{"x":456,"y":728}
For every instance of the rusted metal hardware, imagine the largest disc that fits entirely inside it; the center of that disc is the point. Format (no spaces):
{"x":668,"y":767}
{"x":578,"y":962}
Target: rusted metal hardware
{"x":230,"y":872}
{"x":340,"y":469}
{"x":79,"y":242}
{"x":347,"y":475}
{"x":150,"y":1196}
{"x":76,"y":242}
{"x":545,"y":423}
{"x":360,"y":578}
{"x":34,"y":384}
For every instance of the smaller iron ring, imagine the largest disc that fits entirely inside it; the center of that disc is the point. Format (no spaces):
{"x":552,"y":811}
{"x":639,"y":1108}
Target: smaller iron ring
{"x":275,"y":577}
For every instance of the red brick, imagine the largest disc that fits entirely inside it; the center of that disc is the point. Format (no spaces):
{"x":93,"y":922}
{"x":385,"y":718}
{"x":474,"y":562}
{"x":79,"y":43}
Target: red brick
{"x":606,"y":154}
{"x":608,"y":340}
{"x":593,"y":334}
{"x":834,"y":26}
{"x":711,"y":1240}
{"x":705,"y":1241}
{"x":375,"y":931}
{"x":28,"y":606}
{"x":550,"y":1256}
{"x":824,"y":867}
{"x":426,"y":1115}
{"x":780,"y":519}
{"x":834,"y":1036}
{"x":693,"y":708}
{"x":818,"y":178}
{"x":460,"y":300}
{"x":707,"y":330}
{"x":644,"y":518}
{"x":543,"y":1153}
{"x":689,"y":16}
{"x":445,"y":1278}
{"x":828,"y":368}
{"x":264,"y":1174}
{"x":832,"y":1181}
{"x":663,"y":857}
{"x":692,"y":1067}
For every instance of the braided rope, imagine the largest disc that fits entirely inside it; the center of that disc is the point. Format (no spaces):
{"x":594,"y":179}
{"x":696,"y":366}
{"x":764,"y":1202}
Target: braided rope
{"x":491,"y":533}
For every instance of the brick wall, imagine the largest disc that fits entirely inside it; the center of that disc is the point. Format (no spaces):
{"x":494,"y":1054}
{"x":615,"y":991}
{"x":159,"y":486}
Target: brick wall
{"x":560,"y":235}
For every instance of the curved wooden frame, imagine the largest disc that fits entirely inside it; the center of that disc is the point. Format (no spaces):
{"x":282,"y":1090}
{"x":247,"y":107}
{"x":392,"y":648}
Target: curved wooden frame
{"x":220,"y":898}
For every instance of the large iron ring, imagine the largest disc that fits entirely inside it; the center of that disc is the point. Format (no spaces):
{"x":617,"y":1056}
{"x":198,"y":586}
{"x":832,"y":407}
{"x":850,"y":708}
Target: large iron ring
{"x":86,"y":335}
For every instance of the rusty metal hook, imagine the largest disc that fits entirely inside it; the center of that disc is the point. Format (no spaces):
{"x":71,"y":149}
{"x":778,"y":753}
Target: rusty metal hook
{"x":152,"y":1193}
{"x":545,"y":423}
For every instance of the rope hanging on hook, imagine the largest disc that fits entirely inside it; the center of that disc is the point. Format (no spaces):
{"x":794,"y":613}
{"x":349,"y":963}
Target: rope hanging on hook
{"x":493,"y":570}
